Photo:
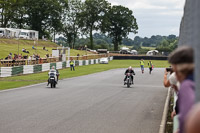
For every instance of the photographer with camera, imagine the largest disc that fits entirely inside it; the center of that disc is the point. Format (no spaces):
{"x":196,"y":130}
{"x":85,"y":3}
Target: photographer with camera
{"x":173,"y":83}
{"x":172,"y":80}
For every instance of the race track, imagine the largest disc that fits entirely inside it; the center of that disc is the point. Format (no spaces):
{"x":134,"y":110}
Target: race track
{"x":96,"y":103}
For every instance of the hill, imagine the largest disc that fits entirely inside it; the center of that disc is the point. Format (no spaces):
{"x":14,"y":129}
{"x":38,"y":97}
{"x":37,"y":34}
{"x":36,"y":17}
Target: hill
{"x":11,"y":46}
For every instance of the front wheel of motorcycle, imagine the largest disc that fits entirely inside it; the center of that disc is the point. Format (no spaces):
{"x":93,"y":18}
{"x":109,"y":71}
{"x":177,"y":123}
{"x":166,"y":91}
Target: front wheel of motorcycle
{"x":128,"y":84}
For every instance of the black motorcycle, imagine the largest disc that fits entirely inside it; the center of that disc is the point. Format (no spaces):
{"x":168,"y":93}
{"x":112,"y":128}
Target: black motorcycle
{"x":52,"y":80}
{"x":128,"y":80}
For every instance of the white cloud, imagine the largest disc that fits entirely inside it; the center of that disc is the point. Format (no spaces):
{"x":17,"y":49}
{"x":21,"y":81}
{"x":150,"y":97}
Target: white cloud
{"x":142,"y":5}
{"x":155,"y":16}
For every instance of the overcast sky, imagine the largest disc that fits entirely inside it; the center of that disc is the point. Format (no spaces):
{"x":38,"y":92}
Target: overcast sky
{"x":155,"y":17}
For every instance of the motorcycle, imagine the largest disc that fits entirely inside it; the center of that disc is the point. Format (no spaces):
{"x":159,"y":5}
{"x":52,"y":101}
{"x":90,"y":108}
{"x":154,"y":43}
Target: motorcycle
{"x":128,"y":80}
{"x":52,"y":79}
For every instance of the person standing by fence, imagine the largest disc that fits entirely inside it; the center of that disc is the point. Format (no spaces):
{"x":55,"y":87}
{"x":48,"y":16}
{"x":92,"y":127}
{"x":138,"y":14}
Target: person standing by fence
{"x":142,"y":65}
{"x":72,"y":65}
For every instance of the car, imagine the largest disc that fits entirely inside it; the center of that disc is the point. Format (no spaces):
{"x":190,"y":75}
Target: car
{"x":103,"y":61}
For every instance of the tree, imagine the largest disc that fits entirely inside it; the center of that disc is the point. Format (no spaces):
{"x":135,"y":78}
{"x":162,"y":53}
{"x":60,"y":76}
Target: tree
{"x":45,"y":15}
{"x":19,"y":15}
{"x":71,"y":27}
{"x":167,"y":45}
{"x":92,"y":16}
{"x":121,"y":23}
{"x":7,"y":7}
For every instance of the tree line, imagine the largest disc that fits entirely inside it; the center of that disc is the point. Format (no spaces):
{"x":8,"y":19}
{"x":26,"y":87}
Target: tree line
{"x":103,"y":41}
{"x":72,"y":18}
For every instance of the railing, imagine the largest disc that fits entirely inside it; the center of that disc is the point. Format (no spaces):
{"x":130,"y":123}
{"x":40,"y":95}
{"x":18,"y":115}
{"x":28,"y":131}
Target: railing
{"x":87,"y":57}
{"x":21,"y":62}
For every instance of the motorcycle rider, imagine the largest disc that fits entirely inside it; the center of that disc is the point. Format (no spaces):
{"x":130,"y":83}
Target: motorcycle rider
{"x":53,"y":70}
{"x":131,"y":71}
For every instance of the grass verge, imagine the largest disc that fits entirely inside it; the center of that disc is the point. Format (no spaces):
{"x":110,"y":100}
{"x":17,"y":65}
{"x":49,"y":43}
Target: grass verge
{"x":24,"y":80}
{"x":11,"y":46}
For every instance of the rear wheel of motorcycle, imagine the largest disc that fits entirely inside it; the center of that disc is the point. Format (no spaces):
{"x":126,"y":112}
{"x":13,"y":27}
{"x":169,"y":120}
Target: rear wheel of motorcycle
{"x":51,"y":85}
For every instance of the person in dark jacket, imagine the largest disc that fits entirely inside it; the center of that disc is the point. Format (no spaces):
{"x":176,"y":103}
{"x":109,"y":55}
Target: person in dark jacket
{"x":131,"y":71}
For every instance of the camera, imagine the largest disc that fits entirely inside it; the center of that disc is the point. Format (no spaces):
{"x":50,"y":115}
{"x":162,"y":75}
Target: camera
{"x":169,"y":69}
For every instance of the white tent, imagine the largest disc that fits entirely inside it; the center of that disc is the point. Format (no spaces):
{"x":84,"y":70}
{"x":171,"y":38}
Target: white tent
{"x":152,"y":52}
{"x":19,"y":33}
{"x":134,"y":52}
{"x":29,"y":34}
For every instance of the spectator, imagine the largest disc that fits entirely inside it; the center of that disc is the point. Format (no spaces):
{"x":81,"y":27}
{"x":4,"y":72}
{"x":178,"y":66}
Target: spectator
{"x":182,"y":63}
{"x":33,"y":47}
{"x":142,"y":65}
{"x":24,"y":50}
{"x":37,"y":57}
{"x":72,"y":65}
{"x":34,"y":56}
{"x":193,"y":120}
{"x":173,"y":83}
{"x":25,"y":57}
{"x":45,"y":49}
{"x":30,"y":58}
{"x":150,"y":64}
{"x":7,"y":57}
{"x":47,"y":55}
{"x":15,"y":56}
{"x":27,"y":51}
{"x":78,"y":56}
{"x":20,"y":56}
{"x":10,"y":56}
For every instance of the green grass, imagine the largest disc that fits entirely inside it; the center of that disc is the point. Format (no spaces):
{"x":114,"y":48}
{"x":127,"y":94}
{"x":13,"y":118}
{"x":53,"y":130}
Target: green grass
{"x":24,"y":80}
{"x":11,"y":45}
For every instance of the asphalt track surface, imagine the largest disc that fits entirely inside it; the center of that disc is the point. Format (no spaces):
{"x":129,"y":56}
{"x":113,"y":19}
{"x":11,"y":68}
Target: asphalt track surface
{"x":96,"y":103}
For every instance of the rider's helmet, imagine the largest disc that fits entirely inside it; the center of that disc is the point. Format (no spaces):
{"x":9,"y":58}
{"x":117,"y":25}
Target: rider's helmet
{"x":53,"y":67}
{"x":130,"y":68}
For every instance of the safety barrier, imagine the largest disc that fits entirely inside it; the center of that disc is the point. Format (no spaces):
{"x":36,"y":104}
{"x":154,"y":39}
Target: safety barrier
{"x":21,"y":62}
{"x":29,"y":69}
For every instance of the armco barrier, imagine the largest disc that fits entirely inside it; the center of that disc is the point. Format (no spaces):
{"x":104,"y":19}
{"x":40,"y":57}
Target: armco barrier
{"x":45,"y":67}
{"x":59,"y":65}
{"x":80,"y":62}
{"x":37,"y":68}
{"x":6,"y":71}
{"x":76,"y":63}
{"x":91,"y":61}
{"x":64,"y":65}
{"x":29,"y":69}
{"x":140,"y":57}
{"x":17,"y":70}
{"x":86,"y":62}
